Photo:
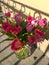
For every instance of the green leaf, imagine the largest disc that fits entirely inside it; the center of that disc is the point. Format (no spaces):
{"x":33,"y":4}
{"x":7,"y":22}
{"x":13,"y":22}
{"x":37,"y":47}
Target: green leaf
{"x":11,"y":22}
{"x":10,"y":35}
{"x":1,"y":21}
{"x":23,"y":24}
{"x":0,"y":25}
{"x":29,"y":13}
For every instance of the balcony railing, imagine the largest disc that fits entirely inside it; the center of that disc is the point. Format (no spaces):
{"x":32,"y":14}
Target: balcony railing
{"x":16,"y":7}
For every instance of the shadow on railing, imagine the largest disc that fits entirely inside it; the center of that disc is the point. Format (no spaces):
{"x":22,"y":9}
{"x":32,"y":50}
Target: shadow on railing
{"x":23,"y":6}
{"x":3,"y":4}
{"x":31,"y":8}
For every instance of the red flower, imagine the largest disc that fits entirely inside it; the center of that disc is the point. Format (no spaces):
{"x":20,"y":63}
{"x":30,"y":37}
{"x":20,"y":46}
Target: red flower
{"x":30,"y":19}
{"x":12,"y":30}
{"x":16,"y":30}
{"x":7,"y":14}
{"x":16,"y":44}
{"x":39,"y":35}
{"x":6,"y":26}
{"x":31,"y":40}
{"x":19,"y":28}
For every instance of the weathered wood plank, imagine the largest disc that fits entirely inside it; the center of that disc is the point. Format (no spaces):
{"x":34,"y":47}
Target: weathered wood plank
{"x":47,"y":54}
{"x":5,"y":53}
{"x":3,"y":38}
{"x":44,"y":61}
{"x":12,"y":59}
{"x":32,"y":59}
{"x":4,"y":45}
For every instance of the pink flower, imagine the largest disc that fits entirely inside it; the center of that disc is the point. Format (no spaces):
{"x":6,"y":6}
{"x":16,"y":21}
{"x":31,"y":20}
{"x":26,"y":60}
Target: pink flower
{"x":38,"y":34}
{"x":34,"y":23}
{"x":16,"y":44}
{"x":38,"y":18}
{"x":7,"y":14}
{"x":13,"y":19}
{"x":30,"y":19}
{"x":31,"y":40}
{"x":43,"y":22}
{"x":18,"y":18}
{"x":40,"y":40}
{"x":6,"y":26}
{"x":29,"y":27}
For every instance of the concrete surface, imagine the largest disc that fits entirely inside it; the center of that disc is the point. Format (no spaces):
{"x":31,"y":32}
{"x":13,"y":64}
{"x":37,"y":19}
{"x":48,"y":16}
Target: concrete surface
{"x":7,"y":56}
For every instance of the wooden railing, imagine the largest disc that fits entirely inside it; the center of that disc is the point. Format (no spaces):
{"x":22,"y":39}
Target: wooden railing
{"x":12,"y":6}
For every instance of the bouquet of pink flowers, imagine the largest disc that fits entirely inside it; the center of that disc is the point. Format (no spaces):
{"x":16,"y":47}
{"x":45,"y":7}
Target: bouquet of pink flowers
{"x":24,"y":33}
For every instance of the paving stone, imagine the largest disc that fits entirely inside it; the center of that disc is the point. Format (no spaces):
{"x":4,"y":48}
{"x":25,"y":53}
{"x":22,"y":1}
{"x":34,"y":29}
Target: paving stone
{"x":30,"y":60}
{"x":6,"y":63}
{"x":44,"y":45}
{"x":3,"y":38}
{"x":44,"y":61}
{"x":10,"y":60}
{"x":33,"y":58}
{"x":0,"y":64}
{"x":0,"y":56}
{"x":1,"y":14}
{"x":4,"y":45}
{"x":47,"y":54}
{"x":13,"y":59}
{"x":1,"y":33}
{"x":5,"y":53}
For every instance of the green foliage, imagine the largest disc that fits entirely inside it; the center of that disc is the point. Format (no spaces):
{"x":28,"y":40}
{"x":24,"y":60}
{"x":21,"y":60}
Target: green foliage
{"x":22,"y":53}
{"x":10,"y":36}
{"x":1,"y":21}
{"x":11,"y":22}
{"x":23,"y":24}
